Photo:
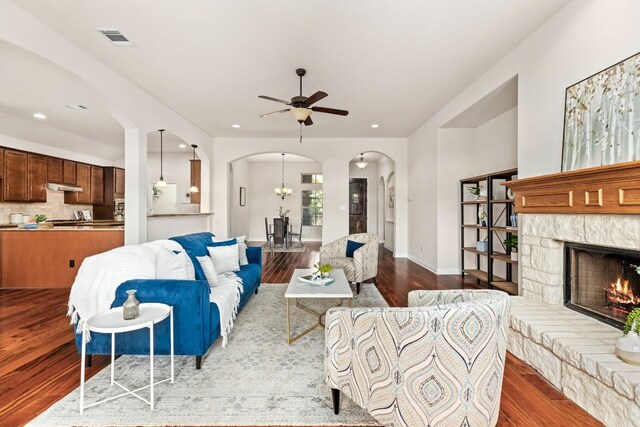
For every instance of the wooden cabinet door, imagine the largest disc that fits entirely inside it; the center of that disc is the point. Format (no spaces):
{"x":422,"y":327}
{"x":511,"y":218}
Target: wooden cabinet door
{"x":54,"y":170}
{"x":119,"y":183}
{"x":83,"y":179}
{"x":1,"y":162}
{"x":68,"y":172}
{"x":195,"y":179}
{"x":37,"y":178}
{"x":97,"y":185}
{"x":15,"y":176}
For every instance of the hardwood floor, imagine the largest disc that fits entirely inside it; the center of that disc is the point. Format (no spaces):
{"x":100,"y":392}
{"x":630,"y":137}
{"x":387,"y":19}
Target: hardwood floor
{"x":39,"y":363}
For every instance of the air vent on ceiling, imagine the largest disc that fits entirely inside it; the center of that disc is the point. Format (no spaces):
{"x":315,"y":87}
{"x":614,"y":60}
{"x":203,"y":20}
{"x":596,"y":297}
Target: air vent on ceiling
{"x":75,"y":106}
{"x":115,"y":36}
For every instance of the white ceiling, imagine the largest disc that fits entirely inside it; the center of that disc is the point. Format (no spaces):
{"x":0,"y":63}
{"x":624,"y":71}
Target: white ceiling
{"x":392,"y":63}
{"x":277,"y":157}
{"x":29,"y":84}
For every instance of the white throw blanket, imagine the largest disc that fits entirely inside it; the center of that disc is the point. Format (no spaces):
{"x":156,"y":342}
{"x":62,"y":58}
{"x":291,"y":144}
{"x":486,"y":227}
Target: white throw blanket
{"x":227,"y":297}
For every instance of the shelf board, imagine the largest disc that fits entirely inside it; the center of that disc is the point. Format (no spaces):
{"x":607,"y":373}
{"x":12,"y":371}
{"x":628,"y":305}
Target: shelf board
{"x":474,"y":250}
{"x":501,"y":174}
{"x":509,"y":287}
{"x":503,"y":201}
{"x":474,"y":226}
{"x":505,"y":229}
{"x":503,"y":257}
{"x":478,"y":274}
{"x":474,"y":202}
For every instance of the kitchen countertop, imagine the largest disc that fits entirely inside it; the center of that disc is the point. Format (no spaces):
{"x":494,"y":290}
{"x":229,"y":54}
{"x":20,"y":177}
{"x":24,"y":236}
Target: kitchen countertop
{"x":178,"y":215}
{"x":68,"y":228}
{"x":60,"y":225}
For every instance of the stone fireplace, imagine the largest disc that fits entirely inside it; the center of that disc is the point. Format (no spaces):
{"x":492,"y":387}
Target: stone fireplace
{"x":589,"y":222}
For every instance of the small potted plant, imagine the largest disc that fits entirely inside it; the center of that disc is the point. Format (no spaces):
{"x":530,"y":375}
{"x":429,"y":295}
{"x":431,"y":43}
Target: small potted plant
{"x":323,"y":269}
{"x":475,"y":191}
{"x":512,"y":242}
{"x":628,"y":346}
{"x":40,"y":219}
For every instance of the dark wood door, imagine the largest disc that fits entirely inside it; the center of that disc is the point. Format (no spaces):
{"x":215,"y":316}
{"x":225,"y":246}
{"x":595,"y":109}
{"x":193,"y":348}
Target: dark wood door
{"x":68,"y":172}
{"x":37,"y":166}
{"x":97,"y":185}
{"x":357,"y":205}
{"x":54,"y":170}
{"x":15,"y":176}
{"x":119,"y":183}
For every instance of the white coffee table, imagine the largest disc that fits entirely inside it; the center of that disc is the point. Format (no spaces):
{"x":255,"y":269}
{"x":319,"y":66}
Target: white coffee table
{"x":112,"y":322}
{"x":339,"y":289}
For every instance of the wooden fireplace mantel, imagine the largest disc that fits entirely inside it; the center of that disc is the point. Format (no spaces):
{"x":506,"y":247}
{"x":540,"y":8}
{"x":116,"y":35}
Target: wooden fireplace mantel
{"x":613,"y":189}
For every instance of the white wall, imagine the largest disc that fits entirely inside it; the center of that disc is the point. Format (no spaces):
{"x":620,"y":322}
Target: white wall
{"x":386,"y":170}
{"x":176,"y":170}
{"x":370,"y":172}
{"x":239,"y":222}
{"x":581,"y":39}
{"x":496,"y":144}
{"x":335,"y":155}
{"x":265,"y":177}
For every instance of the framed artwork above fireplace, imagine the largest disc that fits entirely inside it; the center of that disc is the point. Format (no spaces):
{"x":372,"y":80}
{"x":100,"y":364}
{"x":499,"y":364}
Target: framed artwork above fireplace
{"x":602,"y":118}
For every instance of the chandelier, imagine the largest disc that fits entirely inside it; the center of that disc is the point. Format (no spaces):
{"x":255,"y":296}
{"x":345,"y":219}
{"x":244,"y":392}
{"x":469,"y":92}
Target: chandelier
{"x":361,"y":164}
{"x":283,"y":191}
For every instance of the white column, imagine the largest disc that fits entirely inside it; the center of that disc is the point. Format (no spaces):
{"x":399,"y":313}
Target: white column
{"x":135,"y":165}
{"x":335,"y":204}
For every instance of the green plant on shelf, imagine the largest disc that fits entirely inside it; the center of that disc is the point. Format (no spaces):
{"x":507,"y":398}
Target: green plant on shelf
{"x":40,"y":218}
{"x":475,"y":189}
{"x":511,"y":242}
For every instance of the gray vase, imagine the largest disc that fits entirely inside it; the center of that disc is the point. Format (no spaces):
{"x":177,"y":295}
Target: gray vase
{"x":131,"y":307}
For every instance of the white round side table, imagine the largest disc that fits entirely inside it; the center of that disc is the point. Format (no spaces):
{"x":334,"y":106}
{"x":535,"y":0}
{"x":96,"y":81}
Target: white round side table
{"x":111,"y":322}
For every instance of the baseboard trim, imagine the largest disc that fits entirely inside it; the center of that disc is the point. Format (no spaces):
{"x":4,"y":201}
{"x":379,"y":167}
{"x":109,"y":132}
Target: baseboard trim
{"x":448,"y":271}
{"x":424,"y":264}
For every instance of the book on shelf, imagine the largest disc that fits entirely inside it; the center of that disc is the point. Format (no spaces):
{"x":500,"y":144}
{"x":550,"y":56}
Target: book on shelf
{"x":314,"y":280}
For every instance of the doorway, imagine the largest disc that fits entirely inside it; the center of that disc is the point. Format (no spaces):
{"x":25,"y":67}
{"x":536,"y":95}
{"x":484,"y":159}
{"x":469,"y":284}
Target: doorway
{"x":357,"y":205}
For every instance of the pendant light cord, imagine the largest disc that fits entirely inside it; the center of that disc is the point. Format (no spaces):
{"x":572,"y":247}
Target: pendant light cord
{"x":283,"y":171}
{"x":161,"y":174}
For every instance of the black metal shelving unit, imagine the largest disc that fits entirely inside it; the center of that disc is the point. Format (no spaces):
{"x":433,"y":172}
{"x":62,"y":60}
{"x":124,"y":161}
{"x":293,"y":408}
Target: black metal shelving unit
{"x":498,"y":209}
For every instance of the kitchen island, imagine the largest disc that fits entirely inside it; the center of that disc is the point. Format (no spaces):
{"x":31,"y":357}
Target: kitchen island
{"x":51,"y":257}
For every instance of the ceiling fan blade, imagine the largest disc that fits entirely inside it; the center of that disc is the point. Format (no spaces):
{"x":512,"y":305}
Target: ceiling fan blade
{"x":315,"y":98}
{"x":275,"y":112}
{"x":330,"y":111}
{"x":274,"y":99}
{"x":308,"y":122}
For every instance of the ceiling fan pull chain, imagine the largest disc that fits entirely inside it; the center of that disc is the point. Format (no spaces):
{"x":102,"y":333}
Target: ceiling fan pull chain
{"x":300,"y":133}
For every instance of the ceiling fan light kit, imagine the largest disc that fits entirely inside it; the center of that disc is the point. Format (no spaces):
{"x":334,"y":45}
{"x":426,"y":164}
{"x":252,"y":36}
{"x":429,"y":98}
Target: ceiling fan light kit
{"x":301,"y":106}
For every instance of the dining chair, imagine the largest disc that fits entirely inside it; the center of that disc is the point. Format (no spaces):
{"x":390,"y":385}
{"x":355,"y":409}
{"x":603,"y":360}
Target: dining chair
{"x":297,"y":236}
{"x":278,"y":231}
{"x":268,"y":234}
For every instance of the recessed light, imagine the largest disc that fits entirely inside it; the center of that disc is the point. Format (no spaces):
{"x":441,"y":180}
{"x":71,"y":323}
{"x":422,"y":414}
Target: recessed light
{"x":235,"y":126}
{"x":375,"y":126}
{"x":182,"y":145}
{"x":75,"y":106}
{"x":39,"y":116}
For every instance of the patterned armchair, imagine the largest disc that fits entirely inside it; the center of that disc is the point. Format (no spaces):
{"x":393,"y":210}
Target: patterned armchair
{"x":364,"y":264}
{"x":439,"y":362}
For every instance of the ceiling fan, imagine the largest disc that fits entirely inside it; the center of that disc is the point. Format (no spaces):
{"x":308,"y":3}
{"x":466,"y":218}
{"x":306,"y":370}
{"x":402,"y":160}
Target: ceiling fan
{"x":301,"y":106}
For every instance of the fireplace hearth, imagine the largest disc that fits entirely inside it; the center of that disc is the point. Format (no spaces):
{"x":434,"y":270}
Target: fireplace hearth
{"x":602,"y":282}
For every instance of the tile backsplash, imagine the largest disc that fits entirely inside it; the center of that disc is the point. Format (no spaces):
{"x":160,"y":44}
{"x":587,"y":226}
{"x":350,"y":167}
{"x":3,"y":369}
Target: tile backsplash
{"x":54,"y":208}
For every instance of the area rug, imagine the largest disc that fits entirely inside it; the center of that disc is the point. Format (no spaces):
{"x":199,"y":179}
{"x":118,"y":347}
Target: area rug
{"x":293,"y":248}
{"x":257,"y":380}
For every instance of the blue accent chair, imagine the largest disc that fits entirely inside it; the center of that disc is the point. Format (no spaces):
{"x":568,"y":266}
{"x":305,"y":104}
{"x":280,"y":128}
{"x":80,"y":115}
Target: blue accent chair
{"x":196,"y":320}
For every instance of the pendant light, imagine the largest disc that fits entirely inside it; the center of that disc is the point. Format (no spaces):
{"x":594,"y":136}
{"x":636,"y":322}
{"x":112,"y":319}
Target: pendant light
{"x":161,"y":182}
{"x":362,"y":164}
{"x":194,"y":187}
{"x":283,"y":192}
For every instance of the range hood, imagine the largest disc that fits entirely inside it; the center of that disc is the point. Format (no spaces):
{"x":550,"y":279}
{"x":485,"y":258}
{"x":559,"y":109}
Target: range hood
{"x":60,"y":187}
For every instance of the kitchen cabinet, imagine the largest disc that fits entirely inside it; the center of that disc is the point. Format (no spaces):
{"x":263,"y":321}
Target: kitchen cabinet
{"x":54,"y":170}
{"x":68,"y":172}
{"x":83,"y":180}
{"x":195,"y":178}
{"x":97,"y":185}
{"x":36,"y":178}
{"x":1,"y":162}
{"x":15,"y":176}
{"x":113,"y":189}
{"x":118,"y":185}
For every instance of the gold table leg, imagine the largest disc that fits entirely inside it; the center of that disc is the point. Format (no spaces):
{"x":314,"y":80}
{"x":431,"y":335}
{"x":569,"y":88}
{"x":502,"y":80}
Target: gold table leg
{"x":319,"y":324}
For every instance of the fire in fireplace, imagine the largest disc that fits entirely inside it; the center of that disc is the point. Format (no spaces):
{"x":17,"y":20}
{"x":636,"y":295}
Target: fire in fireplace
{"x":602,"y":282}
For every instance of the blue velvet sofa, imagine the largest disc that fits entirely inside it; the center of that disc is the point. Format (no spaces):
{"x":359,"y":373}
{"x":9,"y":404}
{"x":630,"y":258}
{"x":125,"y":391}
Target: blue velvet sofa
{"x":196,"y":320}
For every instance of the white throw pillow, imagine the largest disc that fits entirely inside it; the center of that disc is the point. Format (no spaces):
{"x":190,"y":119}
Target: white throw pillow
{"x":225,"y":258}
{"x":242,"y":250}
{"x":209,"y":270}
{"x":171,"y":265}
